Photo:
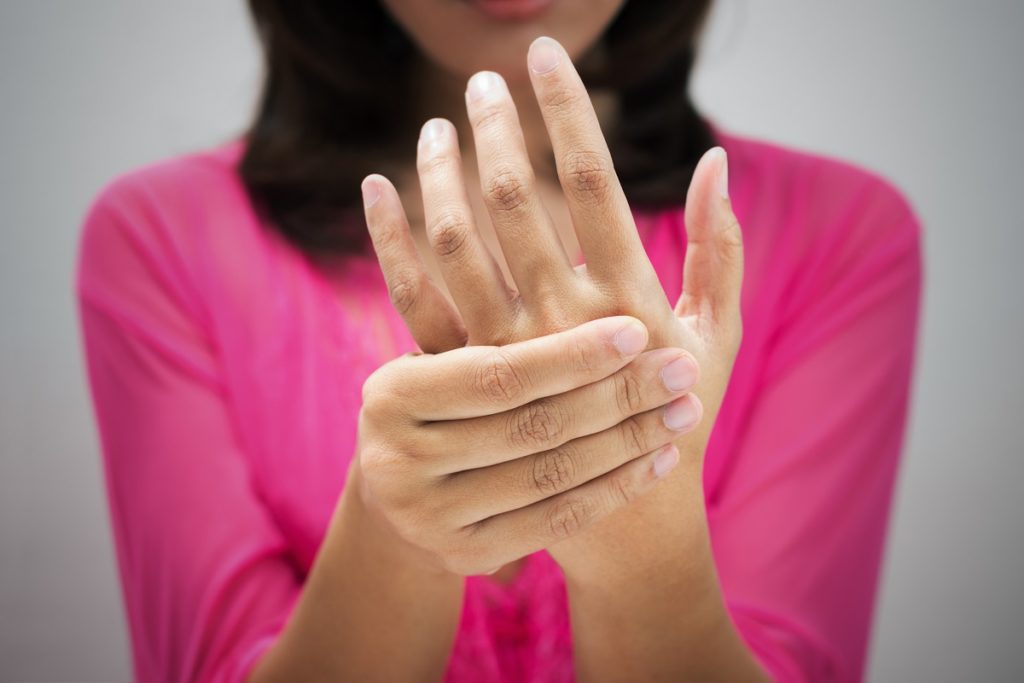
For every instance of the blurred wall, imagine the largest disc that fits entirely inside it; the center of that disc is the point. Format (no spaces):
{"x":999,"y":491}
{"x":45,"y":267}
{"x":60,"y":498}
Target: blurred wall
{"x":921,"y":91}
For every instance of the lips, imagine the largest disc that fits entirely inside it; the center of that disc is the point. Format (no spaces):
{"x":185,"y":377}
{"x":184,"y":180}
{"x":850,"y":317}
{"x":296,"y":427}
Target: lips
{"x":512,"y":10}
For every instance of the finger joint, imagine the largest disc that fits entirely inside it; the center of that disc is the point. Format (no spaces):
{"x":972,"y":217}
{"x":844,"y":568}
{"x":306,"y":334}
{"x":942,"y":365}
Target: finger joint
{"x":404,"y":292}
{"x":536,"y":425}
{"x":561,"y":98}
{"x":634,"y":436}
{"x":588,"y":177}
{"x":731,"y":235}
{"x":450,"y":234}
{"x":568,"y":517}
{"x":553,"y":471}
{"x":581,"y":356}
{"x":499,"y":380}
{"x":623,"y":489}
{"x":493,"y":116}
{"x":628,"y":394}
{"x":508,"y":191}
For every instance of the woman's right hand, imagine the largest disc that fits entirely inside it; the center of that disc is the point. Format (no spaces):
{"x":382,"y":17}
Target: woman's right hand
{"x":478,"y":456}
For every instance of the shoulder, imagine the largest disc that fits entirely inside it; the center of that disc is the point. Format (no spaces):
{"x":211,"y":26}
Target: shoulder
{"x":158,"y":194}
{"x":167,"y":221}
{"x":174,"y":247}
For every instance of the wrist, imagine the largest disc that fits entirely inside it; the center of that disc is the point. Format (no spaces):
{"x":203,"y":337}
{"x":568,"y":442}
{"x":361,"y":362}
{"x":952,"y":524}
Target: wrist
{"x":665,"y":612}
{"x":663,"y":530}
{"x":359,"y":580}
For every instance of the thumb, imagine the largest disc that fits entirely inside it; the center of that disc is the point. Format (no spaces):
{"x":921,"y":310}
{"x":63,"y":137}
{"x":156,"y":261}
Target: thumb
{"x":713,"y":269}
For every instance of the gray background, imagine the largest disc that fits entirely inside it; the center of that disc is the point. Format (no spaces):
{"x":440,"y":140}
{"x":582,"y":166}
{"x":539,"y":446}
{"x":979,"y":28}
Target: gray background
{"x":927,"y":93}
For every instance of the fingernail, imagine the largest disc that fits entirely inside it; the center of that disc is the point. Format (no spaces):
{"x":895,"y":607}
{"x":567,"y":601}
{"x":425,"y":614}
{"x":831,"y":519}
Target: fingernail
{"x":723,"y":174}
{"x":544,"y":55}
{"x":631,"y":339}
{"x":680,"y":414}
{"x":484,"y":84}
{"x":432,"y":130}
{"x":679,"y":375}
{"x":666,"y":460}
{"x":371,"y":192}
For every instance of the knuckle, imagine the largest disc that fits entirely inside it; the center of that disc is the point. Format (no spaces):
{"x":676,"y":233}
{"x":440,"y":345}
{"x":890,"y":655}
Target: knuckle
{"x":568,"y":517}
{"x":433,"y":164}
{"x":508,"y":190}
{"x":628,"y":395}
{"x":387,"y":234}
{"x":404,"y":291}
{"x":731,"y":235}
{"x":538,"y":424}
{"x":385,"y":401}
{"x":623,"y":490}
{"x":553,"y":471}
{"x":449,"y":233}
{"x":371,"y":461}
{"x":374,"y":387}
{"x":582,"y":358}
{"x":560,"y":97}
{"x":634,"y":436}
{"x":499,"y":380}
{"x":588,"y":176}
{"x":492,"y":116}
{"x":389,"y":455}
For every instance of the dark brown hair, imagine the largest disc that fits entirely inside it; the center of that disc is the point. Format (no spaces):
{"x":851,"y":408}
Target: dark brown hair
{"x":324,"y":121}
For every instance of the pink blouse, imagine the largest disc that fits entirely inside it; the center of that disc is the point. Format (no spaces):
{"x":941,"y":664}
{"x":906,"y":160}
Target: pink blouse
{"x":226,"y":370}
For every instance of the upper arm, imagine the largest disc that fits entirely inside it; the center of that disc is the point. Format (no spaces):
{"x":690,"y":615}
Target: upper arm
{"x":205,"y":571}
{"x":798,"y":526}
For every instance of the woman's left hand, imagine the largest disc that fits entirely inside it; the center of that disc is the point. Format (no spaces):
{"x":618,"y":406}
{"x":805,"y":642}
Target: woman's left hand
{"x":550,"y":294}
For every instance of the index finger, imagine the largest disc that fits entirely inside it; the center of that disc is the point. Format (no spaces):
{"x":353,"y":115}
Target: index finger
{"x":600,"y":213}
{"x":484,"y":380}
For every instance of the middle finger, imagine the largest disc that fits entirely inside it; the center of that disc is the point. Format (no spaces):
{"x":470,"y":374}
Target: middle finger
{"x":600,"y":213}
{"x":532,"y":248}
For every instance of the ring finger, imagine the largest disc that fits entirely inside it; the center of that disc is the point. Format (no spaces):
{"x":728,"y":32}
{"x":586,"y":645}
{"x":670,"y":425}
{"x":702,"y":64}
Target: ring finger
{"x":517,"y":483}
{"x":468,"y":268}
{"x":549,"y":422}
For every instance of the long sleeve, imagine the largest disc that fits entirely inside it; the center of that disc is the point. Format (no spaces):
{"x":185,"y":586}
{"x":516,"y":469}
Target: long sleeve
{"x":799,"y":520}
{"x":205,"y":572}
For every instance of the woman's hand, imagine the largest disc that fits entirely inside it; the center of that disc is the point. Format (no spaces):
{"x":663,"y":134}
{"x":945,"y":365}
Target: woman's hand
{"x":550,"y":294}
{"x":479,"y":456}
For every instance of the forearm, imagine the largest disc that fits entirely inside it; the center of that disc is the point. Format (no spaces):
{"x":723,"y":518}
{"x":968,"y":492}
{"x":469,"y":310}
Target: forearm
{"x":657,"y":614}
{"x":370,"y":611}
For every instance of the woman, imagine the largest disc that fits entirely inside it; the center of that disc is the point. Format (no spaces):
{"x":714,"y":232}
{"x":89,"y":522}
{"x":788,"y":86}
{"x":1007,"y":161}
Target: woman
{"x":537,"y":496}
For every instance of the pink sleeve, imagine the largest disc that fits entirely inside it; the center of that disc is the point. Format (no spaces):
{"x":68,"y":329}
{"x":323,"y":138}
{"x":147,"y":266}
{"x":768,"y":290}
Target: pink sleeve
{"x":798,"y":523}
{"x":205,"y":572}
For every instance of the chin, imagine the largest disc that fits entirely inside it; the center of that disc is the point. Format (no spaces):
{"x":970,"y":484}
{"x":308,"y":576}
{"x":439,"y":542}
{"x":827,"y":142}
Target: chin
{"x":466,"y":36}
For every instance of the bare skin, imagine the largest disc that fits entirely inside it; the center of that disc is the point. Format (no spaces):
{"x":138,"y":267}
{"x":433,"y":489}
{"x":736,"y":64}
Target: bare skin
{"x":461,"y":469}
{"x":650,"y":565}
{"x":632,"y":544}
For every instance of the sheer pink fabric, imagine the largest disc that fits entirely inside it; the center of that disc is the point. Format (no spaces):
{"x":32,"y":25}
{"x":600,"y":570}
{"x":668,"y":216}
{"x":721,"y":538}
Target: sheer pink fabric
{"x":226,"y":370}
